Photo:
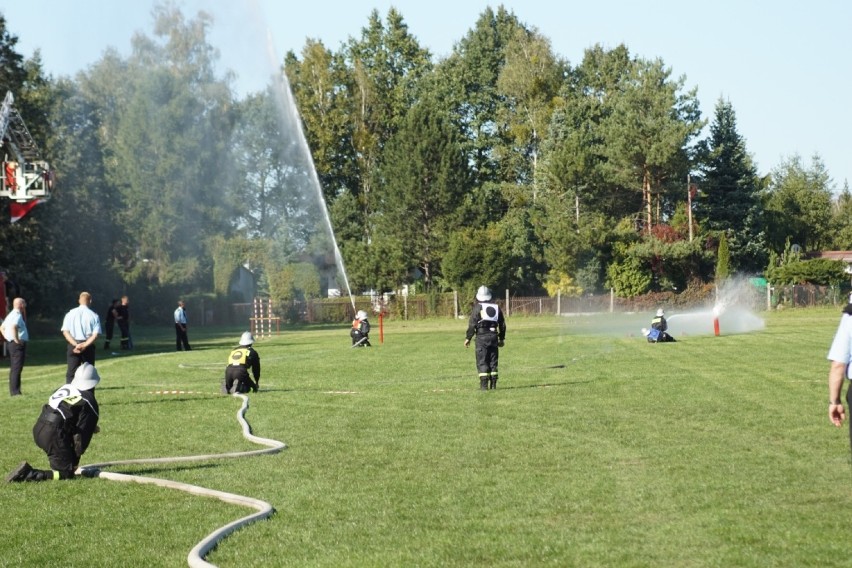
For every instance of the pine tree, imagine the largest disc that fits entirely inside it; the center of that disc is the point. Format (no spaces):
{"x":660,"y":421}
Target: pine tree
{"x":723,"y":260}
{"x":730,"y":199}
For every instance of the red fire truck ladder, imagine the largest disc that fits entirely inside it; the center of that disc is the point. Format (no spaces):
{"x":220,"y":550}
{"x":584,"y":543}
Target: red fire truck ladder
{"x":25,"y":175}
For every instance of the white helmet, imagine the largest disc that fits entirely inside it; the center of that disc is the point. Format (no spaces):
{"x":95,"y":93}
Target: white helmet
{"x":660,"y":313}
{"x":246,"y":339}
{"x":361,"y":315}
{"x":483,"y":294}
{"x":85,"y":377}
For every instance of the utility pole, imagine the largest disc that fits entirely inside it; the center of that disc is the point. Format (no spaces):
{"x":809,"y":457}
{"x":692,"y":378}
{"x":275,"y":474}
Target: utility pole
{"x":689,"y":205}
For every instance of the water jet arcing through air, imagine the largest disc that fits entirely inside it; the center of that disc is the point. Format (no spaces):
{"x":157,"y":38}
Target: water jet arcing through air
{"x":291,"y":123}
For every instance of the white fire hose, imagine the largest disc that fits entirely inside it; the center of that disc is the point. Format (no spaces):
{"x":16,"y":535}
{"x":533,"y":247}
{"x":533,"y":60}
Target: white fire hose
{"x":264,"y":509}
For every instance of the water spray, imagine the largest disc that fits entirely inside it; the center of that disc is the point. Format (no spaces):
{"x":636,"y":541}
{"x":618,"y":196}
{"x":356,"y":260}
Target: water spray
{"x":289,"y":113}
{"x":716,"y":312}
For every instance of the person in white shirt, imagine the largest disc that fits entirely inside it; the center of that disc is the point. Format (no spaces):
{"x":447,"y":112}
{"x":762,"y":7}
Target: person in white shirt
{"x":81,"y":328}
{"x":182,"y":340}
{"x":17,"y":336}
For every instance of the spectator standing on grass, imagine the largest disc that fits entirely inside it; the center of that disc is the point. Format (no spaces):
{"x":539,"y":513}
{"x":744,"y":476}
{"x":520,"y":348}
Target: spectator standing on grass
{"x":182,"y":339}
{"x":840,"y":355}
{"x":123,"y":321}
{"x":64,"y":428}
{"x":81,"y":328}
{"x":489,"y":326}
{"x":17,"y":336}
{"x":109,"y":322}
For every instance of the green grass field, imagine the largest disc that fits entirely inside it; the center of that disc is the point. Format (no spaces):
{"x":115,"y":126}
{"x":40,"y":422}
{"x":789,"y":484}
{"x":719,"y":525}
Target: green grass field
{"x":595,"y":450}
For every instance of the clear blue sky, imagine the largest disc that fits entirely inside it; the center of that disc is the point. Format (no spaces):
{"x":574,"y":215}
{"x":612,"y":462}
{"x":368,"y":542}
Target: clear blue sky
{"x":785,"y":65}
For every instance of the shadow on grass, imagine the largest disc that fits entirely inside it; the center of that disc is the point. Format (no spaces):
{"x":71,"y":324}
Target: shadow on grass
{"x":163,"y":469}
{"x":546,"y":385}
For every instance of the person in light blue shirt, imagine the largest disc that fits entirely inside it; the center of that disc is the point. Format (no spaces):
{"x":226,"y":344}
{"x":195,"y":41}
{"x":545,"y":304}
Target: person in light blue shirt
{"x":182,"y":340}
{"x":81,"y":328}
{"x":17,"y":336}
{"x":840,"y":355}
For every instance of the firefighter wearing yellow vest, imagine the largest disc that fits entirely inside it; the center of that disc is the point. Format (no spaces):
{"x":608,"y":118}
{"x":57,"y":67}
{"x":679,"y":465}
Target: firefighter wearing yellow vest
{"x":360,"y":330}
{"x":240,"y":361}
{"x":489,"y":326}
{"x":658,"y":333}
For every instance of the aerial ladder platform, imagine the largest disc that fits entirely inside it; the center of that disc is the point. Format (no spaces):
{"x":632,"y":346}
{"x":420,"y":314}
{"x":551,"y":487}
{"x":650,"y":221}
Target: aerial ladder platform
{"x":25,"y":176}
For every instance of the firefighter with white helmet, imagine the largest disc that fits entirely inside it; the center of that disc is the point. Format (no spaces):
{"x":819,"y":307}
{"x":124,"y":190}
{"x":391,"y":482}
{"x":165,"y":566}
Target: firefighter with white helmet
{"x":64,"y":428}
{"x":241,"y":359}
{"x":658,"y":333}
{"x":489,"y":326}
{"x":360,"y":332}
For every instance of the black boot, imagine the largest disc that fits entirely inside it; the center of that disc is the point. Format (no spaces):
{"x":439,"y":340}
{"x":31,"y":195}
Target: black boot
{"x":20,"y":473}
{"x":483,"y":384}
{"x":25,"y":472}
{"x":493,"y":381}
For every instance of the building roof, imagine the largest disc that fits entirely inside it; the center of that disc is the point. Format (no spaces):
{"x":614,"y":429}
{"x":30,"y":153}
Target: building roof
{"x":844,"y":255}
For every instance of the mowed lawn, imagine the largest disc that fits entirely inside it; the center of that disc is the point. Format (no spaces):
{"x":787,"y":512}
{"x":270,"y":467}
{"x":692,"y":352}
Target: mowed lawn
{"x":597,"y":449}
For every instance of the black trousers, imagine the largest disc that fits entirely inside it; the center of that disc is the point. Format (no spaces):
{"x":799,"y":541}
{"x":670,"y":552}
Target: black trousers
{"x":76,"y":359}
{"x":237,"y":380}
{"x":359,"y":338}
{"x":58,"y":446}
{"x":124,"y":327}
{"x":181,"y":339}
{"x":487,"y":354}
{"x":17,"y":356}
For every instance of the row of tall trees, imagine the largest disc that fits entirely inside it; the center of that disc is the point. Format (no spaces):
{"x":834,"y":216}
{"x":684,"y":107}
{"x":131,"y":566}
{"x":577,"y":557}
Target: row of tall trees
{"x":502,"y":163}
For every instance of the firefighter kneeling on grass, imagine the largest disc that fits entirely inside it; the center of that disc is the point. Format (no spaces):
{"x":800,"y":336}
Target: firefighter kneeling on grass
{"x":64,"y":428}
{"x":240,"y":361}
{"x":360,"y":330}
{"x":658,"y":332}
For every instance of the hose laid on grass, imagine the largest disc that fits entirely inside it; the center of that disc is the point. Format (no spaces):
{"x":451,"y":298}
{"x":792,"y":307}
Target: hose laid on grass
{"x":195,"y":558}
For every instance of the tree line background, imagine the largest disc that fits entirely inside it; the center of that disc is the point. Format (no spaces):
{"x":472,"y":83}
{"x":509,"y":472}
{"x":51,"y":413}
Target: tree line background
{"x":502,"y":163}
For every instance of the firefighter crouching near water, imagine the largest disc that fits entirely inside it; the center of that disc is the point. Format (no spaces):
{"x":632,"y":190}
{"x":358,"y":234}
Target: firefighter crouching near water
{"x":489,"y":326}
{"x":659,"y":329}
{"x":360,"y":330}
{"x":65,"y":427}
{"x":240,"y":361}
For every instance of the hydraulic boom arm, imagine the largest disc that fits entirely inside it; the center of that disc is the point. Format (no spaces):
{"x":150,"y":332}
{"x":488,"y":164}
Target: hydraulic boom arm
{"x":25,"y":176}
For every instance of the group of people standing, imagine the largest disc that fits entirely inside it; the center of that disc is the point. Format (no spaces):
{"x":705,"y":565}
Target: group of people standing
{"x":81,"y":328}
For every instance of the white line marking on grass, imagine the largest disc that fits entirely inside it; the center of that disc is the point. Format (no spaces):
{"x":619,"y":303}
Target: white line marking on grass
{"x":195,"y":558}
{"x":179,"y":392}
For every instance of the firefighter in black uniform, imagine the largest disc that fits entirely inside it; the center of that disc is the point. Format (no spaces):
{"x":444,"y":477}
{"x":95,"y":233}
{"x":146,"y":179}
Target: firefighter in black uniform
{"x":123,"y":321}
{"x":360,"y":330}
{"x":65,"y":427}
{"x":240,"y":361}
{"x":489,"y":326}
{"x":659,"y":329}
{"x":111,"y":313}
